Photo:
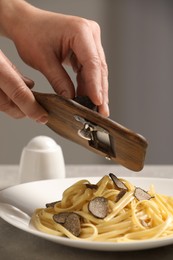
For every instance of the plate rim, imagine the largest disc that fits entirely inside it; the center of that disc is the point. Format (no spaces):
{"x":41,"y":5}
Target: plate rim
{"x":86,"y":244}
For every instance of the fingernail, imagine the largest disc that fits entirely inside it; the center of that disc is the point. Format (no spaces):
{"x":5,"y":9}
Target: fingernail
{"x":100,"y":97}
{"x":43,"y":120}
{"x":106,"y":107}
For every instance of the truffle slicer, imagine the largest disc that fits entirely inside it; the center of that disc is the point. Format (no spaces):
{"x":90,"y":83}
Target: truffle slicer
{"x":84,"y":126}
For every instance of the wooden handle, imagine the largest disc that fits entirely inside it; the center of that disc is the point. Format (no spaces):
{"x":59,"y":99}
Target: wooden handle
{"x":125,"y":146}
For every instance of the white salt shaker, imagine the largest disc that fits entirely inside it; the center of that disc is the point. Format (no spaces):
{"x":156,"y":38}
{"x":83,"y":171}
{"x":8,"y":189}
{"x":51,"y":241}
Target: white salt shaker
{"x":41,"y":159}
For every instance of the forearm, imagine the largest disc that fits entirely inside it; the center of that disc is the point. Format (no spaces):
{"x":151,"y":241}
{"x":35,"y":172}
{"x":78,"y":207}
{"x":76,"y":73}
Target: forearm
{"x":11,"y":15}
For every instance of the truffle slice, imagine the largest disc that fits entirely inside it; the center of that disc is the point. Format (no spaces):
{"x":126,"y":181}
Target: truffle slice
{"x":60,"y":217}
{"x":70,"y":220}
{"x":51,"y":204}
{"x":120,"y":195}
{"x":73,"y":224}
{"x":119,"y":185}
{"x":141,"y":194}
{"x":98,"y":207}
{"x":91,"y":186}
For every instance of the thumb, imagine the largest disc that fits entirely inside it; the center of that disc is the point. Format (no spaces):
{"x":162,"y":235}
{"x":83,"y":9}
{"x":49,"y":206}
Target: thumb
{"x":59,"y":79}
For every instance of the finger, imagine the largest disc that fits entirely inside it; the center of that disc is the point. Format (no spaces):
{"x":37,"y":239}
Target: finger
{"x":73,"y":61}
{"x":16,"y":90}
{"x":28,"y":82}
{"x":89,"y":76}
{"x":57,"y":76}
{"x":104,"y":108}
{"x":104,"y":68}
{"x":8,"y":107}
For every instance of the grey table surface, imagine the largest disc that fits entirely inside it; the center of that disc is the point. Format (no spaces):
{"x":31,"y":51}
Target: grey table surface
{"x":18,"y":245}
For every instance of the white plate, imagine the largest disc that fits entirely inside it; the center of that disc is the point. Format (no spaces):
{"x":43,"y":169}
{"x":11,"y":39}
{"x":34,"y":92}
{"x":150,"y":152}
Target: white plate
{"x":17,"y":203}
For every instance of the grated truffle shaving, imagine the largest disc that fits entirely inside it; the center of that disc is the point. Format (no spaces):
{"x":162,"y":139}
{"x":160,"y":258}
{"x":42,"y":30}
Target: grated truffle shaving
{"x":120,"y":195}
{"x":70,"y":220}
{"x":60,"y":217}
{"x":119,"y":185}
{"x":91,"y":186}
{"x":51,"y":204}
{"x":141,"y":194}
{"x":98,"y":207}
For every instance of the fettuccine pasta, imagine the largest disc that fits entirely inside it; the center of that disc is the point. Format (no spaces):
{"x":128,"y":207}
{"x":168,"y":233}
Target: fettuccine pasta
{"x":113,"y":210}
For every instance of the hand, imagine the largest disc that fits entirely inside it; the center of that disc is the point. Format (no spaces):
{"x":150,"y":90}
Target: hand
{"x":16,"y":99}
{"x":46,"y":41}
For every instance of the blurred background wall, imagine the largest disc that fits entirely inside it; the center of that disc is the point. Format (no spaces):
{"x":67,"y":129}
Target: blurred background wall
{"x":137,"y":36}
